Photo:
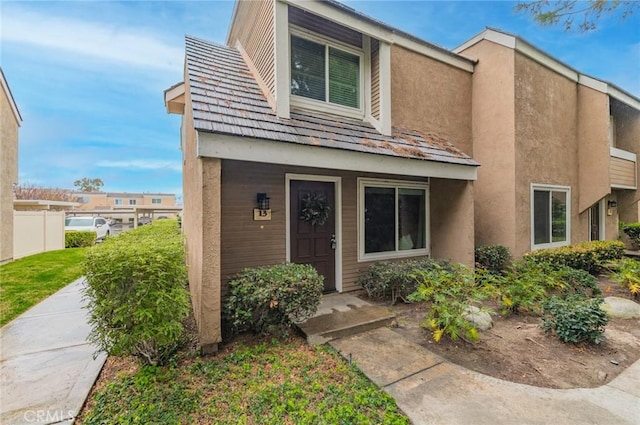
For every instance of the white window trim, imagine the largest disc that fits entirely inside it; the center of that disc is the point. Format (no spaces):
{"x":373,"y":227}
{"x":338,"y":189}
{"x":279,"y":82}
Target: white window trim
{"x":159,"y":201}
{"x":337,"y":181}
{"x":555,"y":188}
{"x":403,"y":184}
{"x":326,"y":106}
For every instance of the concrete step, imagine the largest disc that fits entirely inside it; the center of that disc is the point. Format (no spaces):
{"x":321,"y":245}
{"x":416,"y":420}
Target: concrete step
{"x":342,"y":322}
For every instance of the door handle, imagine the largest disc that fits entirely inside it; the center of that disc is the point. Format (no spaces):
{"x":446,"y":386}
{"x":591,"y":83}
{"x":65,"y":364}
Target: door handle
{"x":334,"y":244}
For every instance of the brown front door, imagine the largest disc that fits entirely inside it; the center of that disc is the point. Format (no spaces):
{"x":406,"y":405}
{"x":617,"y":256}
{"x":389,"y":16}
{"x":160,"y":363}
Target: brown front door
{"x":314,"y":243}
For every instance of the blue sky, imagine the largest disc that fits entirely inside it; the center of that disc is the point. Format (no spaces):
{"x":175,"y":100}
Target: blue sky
{"x":89,"y":77}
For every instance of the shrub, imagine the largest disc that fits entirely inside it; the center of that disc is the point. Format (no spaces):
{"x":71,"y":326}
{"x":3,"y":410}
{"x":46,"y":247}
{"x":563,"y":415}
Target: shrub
{"x":136,"y":292}
{"x":627,"y":273}
{"x":528,"y":283}
{"x":73,"y":239}
{"x":274,"y":296}
{"x":451,"y":291}
{"x":589,"y":256}
{"x":575,"y":319}
{"x":495,"y":258}
{"x":633,"y":231}
{"x":393,"y":279}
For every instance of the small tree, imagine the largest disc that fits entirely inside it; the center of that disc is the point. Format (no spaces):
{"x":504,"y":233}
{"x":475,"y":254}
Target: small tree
{"x":86,"y":184}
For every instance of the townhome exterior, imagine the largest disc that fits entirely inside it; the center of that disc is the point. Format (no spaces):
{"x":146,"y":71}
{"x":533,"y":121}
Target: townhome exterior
{"x":313,"y":105}
{"x":10,"y":121}
{"x":558,"y":148}
{"x":122,"y":206}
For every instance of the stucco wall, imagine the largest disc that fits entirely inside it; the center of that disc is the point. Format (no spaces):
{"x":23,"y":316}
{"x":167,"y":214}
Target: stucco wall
{"x":452,"y":222}
{"x":8,"y":175}
{"x":593,"y":147}
{"x":546,"y":148}
{"x":494,"y":148}
{"x":431,"y":96}
{"x":201,"y":189}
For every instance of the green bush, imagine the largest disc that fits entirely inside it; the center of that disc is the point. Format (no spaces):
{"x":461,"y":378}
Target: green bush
{"x":451,"y":291}
{"x":575,"y":319}
{"x":528,"y":283}
{"x":588,"y":256}
{"x":495,"y":258}
{"x":393,"y":279}
{"x":136,"y":292}
{"x":633,"y":231}
{"x":264,"y":298}
{"x":73,"y":239}
{"x":627,"y":273}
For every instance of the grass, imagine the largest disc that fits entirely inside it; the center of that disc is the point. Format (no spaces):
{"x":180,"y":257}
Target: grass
{"x":29,"y":280}
{"x":271,"y":382}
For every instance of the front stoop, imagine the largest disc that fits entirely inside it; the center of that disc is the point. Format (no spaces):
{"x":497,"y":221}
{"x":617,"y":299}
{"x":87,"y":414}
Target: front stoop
{"x":342,"y":315}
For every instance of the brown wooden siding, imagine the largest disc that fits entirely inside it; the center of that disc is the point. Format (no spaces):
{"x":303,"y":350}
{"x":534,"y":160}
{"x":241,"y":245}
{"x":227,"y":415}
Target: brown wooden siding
{"x":623,"y":172}
{"x":248,"y":243}
{"x":324,"y":27}
{"x":253,"y":27}
{"x":375,"y":78}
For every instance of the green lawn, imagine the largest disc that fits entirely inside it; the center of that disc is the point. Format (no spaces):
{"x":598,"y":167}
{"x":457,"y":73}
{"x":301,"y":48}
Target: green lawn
{"x":268,"y":383}
{"x":29,"y":280}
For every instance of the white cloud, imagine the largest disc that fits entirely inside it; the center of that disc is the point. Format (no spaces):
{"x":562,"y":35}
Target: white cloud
{"x":142,"y":164}
{"x":97,"y":40}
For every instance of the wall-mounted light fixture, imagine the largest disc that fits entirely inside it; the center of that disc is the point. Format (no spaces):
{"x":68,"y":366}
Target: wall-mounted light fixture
{"x":612,"y":204}
{"x":263,"y":212}
{"x":263,"y":201}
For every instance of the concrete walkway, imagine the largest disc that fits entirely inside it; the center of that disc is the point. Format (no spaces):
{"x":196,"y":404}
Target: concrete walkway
{"x":46,"y":365}
{"x":431,"y":390}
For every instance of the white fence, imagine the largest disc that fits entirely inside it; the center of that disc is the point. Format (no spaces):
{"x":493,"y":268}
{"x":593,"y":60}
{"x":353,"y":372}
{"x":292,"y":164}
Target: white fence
{"x":37,"y":231}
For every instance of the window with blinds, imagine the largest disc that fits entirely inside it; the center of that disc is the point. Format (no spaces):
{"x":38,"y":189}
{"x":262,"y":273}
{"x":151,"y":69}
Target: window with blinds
{"x":325,"y":73}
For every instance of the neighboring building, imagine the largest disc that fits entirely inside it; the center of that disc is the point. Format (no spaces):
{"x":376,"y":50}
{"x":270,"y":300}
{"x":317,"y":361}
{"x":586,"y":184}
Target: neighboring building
{"x":10,"y":120}
{"x":312,"y":104}
{"x":371,"y":121}
{"x":558,"y":148}
{"x":122,"y":206}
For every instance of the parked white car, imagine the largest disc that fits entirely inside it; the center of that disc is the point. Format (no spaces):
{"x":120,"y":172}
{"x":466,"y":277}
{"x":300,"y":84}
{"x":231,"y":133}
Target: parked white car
{"x":89,"y":224}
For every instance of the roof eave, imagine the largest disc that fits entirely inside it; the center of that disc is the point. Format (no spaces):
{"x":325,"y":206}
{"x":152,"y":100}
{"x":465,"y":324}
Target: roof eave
{"x":224,"y":146}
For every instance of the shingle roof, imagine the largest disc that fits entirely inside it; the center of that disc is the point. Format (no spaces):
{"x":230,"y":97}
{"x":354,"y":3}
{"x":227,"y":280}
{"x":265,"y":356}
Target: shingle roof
{"x":226,"y":99}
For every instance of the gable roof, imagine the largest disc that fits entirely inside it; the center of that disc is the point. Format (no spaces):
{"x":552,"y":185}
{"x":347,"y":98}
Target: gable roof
{"x":519,"y":44}
{"x":226,"y":99}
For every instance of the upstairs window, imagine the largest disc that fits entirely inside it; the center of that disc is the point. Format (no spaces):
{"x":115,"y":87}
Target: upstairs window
{"x":156,"y":200}
{"x":132,"y":202}
{"x":325,"y":73}
{"x":117,"y":201}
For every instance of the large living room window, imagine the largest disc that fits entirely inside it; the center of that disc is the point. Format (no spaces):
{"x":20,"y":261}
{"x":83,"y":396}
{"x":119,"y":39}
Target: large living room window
{"x":393,"y":219}
{"x":550,"y":221}
{"x":325,"y":75}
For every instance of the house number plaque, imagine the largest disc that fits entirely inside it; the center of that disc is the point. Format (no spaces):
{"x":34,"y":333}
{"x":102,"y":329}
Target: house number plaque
{"x":261,"y":215}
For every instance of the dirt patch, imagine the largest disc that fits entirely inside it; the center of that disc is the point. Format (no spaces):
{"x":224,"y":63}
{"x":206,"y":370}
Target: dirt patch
{"x":517,"y":349}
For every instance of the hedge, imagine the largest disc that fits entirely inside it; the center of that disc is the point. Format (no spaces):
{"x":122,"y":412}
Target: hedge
{"x":588,"y":256}
{"x":136,"y":292}
{"x":633,"y":231}
{"x":495,"y":258}
{"x":76,"y":239}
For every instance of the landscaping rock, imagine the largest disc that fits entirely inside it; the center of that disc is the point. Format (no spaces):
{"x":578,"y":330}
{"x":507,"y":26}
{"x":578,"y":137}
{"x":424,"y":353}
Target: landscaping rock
{"x":621,"y":308}
{"x":480,"y":319}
